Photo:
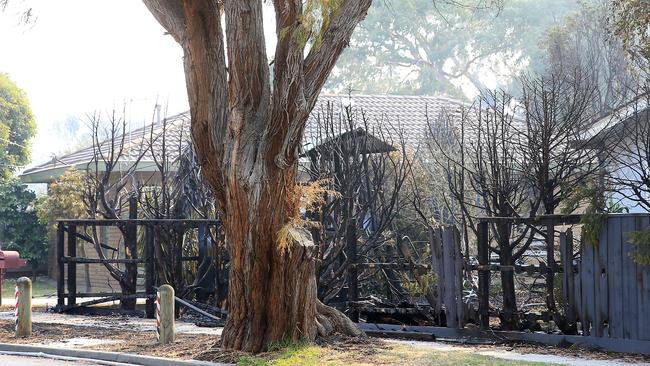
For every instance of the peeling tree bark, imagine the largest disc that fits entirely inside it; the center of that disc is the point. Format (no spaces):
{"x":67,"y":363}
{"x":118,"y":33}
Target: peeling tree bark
{"x":247,"y":135}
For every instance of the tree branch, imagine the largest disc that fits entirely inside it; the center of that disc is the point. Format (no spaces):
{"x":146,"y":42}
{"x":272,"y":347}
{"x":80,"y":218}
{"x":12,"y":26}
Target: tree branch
{"x":170,"y":15}
{"x":321,"y":58}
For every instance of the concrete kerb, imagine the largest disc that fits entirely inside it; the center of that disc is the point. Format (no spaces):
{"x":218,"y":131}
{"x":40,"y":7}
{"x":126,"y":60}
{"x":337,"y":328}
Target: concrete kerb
{"x":116,"y":357}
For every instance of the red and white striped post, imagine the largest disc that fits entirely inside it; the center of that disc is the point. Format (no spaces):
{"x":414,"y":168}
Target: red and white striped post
{"x":158,"y":315}
{"x":17,"y":298}
{"x":165,"y":314}
{"x":23,"y":310}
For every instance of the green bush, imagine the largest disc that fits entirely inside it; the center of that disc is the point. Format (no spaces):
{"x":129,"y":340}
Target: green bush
{"x":20,"y":228}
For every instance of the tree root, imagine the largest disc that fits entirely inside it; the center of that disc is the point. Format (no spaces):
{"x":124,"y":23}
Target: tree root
{"x":330,"y":321}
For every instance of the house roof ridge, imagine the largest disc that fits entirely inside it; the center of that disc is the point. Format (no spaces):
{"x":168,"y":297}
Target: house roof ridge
{"x":407,"y":110}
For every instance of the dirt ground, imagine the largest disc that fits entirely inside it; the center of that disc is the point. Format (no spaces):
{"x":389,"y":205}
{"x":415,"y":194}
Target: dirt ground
{"x":133,"y":335}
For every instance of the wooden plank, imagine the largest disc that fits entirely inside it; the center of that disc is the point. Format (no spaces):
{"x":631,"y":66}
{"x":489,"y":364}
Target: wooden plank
{"x":600,"y":281}
{"x":518,"y":268}
{"x":615,"y":236}
{"x":550,"y":271}
{"x":80,"y":260}
{"x":458,"y":275}
{"x":643,"y":293}
{"x":568,"y":288}
{"x":587,"y":280}
{"x":536,"y":220}
{"x":644,"y":303}
{"x":577,"y":280}
{"x":109,"y":294}
{"x":194,"y":308}
{"x":483,"y":274}
{"x":72,"y":267}
{"x":448,"y":243}
{"x":190,"y":223}
{"x":60,"y":252}
{"x":149,"y":270}
{"x":435,"y":243}
{"x":628,"y":281}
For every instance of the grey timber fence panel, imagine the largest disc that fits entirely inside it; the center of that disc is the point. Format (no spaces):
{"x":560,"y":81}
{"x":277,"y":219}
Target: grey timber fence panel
{"x":613,"y":291}
{"x":615,"y":232}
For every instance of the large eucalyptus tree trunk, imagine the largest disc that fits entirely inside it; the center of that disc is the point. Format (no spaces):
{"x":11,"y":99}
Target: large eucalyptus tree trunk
{"x":247,"y":135}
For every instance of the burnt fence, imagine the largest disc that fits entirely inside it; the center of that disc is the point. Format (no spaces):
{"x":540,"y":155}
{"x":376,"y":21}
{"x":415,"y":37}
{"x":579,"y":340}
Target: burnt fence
{"x":604,"y":293}
{"x":70,"y":232}
{"x":547,"y":266}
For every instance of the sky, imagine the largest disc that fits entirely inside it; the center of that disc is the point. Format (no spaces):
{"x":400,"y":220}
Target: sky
{"x":82,"y":56}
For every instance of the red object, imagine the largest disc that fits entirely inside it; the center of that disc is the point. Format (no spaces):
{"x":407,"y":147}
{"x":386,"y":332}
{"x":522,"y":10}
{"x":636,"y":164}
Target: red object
{"x":9,"y":259}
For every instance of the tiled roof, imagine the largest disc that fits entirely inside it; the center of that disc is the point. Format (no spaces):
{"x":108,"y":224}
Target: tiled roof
{"x":135,"y":142}
{"x":406,"y":114}
{"x":391,"y":116}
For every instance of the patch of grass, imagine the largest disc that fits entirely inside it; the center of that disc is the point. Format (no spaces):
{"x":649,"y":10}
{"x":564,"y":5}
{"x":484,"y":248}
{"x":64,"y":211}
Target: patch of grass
{"x":303,"y":354}
{"x":40,"y":287}
{"x":252,"y":361}
{"x":285,"y":353}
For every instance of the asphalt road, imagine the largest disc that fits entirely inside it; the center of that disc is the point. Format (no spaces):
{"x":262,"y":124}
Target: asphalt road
{"x":6,"y":360}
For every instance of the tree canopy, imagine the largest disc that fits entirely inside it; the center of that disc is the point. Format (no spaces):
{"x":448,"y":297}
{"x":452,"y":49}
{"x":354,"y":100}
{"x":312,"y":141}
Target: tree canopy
{"x":65,"y":198}
{"x":17,"y":126}
{"x":582,"y":44}
{"x":414,"y":47}
{"x":630,"y":20}
{"x":19,"y":226}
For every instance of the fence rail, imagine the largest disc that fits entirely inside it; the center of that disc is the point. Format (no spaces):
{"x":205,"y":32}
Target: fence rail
{"x":68,"y":299}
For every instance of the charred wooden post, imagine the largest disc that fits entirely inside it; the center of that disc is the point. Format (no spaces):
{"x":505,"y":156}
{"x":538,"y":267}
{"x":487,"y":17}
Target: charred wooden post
{"x":353,"y":273}
{"x":448,"y":243}
{"x":566,"y":248}
{"x":550,"y":271}
{"x":131,"y":247}
{"x":435,"y":244}
{"x":23,"y":307}
{"x":458,"y":277}
{"x":165,"y":313}
{"x":149,"y":268}
{"x":72,"y":266}
{"x":60,"y":252}
{"x":484,"y":274}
